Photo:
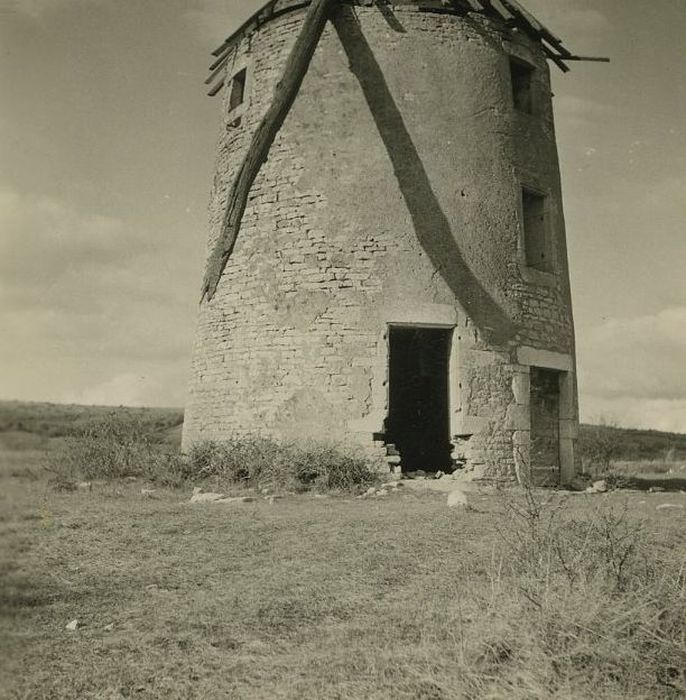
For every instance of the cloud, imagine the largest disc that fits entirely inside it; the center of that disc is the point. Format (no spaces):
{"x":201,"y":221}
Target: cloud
{"x":49,"y":249}
{"x":580,"y":113}
{"x":578,"y":21}
{"x":122,"y":390}
{"x":213,"y":20}
{"x":87,"y":302}
{"x":565,"y":19}
{"x":37,"y":9}
{"x":627,"y":242}
{"x":631,"y":371}
{"x":640,"y":358}
{"x":652,"y":414}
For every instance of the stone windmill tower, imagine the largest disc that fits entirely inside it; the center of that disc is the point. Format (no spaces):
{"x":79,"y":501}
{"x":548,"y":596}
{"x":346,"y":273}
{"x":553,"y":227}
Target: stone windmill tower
{"x":388,"y":266}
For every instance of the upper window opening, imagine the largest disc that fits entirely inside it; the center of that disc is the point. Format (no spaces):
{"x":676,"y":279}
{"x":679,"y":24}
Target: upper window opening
{"x":521,"y":75}
{"x":237,"y":89}
{"x":537,"y":246}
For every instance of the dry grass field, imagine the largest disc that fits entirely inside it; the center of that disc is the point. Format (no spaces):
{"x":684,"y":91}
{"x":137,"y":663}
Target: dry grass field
{"x":522,"y":595}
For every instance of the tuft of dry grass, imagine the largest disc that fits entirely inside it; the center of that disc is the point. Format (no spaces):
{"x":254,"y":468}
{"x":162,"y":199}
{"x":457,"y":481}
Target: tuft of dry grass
{"x":119,"y":447}
{"x":261,"y":462}
{"x":527,"y":595}
{"x":605,"y":603}
{"x":114,"y":447}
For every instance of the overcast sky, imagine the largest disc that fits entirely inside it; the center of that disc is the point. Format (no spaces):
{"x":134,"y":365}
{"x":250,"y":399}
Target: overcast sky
{"x":106,"y":158}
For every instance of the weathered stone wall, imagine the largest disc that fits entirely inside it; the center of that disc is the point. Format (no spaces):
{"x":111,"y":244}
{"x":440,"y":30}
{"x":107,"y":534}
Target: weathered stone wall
{"x":391,"y":195}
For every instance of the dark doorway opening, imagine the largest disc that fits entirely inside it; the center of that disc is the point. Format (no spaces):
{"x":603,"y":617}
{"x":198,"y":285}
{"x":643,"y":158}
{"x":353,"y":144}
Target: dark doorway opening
{"x":418,"y":422}
{"x":545,"y":426}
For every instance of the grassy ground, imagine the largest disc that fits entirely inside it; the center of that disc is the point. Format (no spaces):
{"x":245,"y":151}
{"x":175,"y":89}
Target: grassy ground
{"x":334,"y":597}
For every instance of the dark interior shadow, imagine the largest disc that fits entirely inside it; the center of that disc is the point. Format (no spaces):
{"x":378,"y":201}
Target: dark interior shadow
{"x":430,"y":223}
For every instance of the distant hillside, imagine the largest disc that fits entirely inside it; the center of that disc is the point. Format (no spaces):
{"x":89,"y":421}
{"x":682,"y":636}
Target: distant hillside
{"x":635,"y":445}
{"x":48,"y":420}
{"x":29,"y":422}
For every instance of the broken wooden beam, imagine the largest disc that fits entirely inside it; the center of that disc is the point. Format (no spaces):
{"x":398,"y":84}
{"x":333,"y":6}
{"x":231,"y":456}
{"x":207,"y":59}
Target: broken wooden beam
{"x":217,"y":71}
{"x":502,"y":10}
{"x":529,"y":18}
{"x":216,"y":88}
{"x":553,"y":38}
{"x":285,"y":93}
{"x":223,"y":57}
{"x":557,"y":60}
{"x":598,"y":59}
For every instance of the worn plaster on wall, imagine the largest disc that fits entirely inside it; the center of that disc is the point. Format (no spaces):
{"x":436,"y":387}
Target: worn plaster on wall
{"x":391,"y":195}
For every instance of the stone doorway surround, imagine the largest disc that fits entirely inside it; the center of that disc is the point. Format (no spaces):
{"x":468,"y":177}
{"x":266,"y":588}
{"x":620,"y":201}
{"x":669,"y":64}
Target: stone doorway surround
{"x":528,"y":357}
{"x":439,"y":316}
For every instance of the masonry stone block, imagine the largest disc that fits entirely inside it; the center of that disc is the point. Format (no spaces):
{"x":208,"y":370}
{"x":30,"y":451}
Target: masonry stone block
{"x":391,"y":196}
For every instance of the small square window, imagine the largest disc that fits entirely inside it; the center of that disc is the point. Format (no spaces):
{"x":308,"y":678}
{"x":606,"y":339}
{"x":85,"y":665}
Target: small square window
{"x":537,"y":248}
{"x":521,"y":75}
{"x":237,"y":89}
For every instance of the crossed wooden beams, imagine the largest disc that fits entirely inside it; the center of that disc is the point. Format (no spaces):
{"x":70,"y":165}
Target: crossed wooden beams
{"x":287,"y":89}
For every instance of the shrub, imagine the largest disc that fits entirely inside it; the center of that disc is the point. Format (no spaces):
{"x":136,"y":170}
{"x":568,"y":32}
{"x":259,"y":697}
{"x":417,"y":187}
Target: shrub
{"x":599,"y":446}
{"x":113,"y":448}
{"x":247,"y":460}
{"x":588,"y":601}
{"x":118,"y":447}
{"x":265,"y":463}
{"x":330,"y":468}
{"x":547,"y":546}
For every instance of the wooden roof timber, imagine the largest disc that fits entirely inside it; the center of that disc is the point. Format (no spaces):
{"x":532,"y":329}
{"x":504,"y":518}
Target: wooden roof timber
{"x":216,"y":88}
{"x":265,"y":13}
{"x":502,"y":10}
{"x":535,"y":25}
{"x":595,"y":59}
{"x":509,"y":11}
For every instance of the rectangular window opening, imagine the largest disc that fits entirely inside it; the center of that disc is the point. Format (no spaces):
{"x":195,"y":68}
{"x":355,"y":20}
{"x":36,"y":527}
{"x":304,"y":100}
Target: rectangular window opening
{"x":537,"y":247}
{"x":521,"y":75}
{"x":237,"y":89}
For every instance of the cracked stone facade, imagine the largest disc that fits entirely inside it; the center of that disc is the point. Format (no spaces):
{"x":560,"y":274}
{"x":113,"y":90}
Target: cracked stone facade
{"x":392,"y":195}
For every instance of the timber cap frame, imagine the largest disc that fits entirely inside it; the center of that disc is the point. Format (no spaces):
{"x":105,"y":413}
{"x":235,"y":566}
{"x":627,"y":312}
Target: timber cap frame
{"x":510,"y":12}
